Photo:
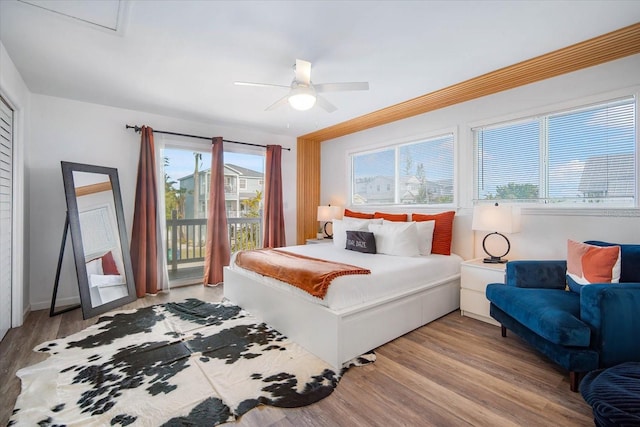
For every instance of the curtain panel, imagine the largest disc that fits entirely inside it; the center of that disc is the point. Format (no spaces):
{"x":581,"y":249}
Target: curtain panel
{"x":144,"y":237}
{"x":274,"y":235}
{"x":218,"y":252}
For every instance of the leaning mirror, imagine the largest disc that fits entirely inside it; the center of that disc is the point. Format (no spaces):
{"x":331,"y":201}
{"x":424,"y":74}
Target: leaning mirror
{"x":98,"y":233}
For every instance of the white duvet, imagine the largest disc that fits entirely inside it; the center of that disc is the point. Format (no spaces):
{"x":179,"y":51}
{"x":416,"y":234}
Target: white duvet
{"x":389,"y":274}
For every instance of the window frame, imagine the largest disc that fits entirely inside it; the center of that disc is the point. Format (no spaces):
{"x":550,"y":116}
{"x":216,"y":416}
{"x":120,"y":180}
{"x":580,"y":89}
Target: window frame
{"x":396,"y":144}
{"x":538,"y":207}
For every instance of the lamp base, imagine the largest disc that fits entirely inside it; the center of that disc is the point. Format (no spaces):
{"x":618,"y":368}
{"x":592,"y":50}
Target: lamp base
{"x":495,"y":260}
{"x":326,"y":233}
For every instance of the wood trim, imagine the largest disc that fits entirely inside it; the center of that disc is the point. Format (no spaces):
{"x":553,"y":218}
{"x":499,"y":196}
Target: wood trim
{"x":608,"y":47}
{"x":93,"y":188}
{"x":308,"y":188}
{"x":598,"y":50}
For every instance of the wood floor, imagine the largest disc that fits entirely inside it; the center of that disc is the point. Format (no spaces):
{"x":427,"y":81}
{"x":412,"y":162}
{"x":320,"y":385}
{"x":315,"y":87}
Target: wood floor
{"x":455,"y":371}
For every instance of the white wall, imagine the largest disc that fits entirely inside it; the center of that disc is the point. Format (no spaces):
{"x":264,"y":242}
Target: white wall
{"x":73,"y":131}
{"x":543,"y":235}
{"x":15,"y":91}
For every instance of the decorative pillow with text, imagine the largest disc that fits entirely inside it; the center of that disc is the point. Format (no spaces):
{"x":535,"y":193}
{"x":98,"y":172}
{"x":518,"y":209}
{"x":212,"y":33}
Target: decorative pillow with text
{"x":361,"y":241}
{"x":341,"y":226}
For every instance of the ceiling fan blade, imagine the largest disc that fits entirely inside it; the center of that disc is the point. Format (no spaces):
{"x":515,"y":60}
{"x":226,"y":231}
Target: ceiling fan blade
{"x":303,"y":71}
{"x":325,"y":105}
{"x":279,"y":103}
{"x":340,"y":87}
{"x":259,"y":84}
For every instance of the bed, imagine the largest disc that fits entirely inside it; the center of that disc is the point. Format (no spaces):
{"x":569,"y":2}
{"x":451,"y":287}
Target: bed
{"x":348,"y":322}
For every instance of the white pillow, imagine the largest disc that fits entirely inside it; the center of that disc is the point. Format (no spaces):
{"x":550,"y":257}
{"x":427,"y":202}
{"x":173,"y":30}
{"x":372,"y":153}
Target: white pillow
{"x":341,"y":226}
{"x":425,"y":236}
{"x":396,"y":238}
{"x":94,"y":267}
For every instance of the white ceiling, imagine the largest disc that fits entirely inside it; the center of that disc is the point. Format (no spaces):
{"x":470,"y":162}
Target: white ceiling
{"x":180,"y":58}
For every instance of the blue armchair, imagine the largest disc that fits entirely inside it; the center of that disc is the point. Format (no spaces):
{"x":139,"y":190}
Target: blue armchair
{"x":596,"y":328}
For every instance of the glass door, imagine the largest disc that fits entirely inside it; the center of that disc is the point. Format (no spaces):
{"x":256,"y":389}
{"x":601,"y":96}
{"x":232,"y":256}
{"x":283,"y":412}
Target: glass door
{"x":187,"y":177}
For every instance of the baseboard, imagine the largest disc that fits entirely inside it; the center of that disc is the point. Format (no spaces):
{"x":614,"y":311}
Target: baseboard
{"x":25,"y":313}
{"x":62,"y":302}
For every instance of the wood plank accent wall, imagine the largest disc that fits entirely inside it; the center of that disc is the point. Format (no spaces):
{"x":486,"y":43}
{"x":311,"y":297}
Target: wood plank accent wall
{"x":308,"y":190}
{"x":598,"y":50}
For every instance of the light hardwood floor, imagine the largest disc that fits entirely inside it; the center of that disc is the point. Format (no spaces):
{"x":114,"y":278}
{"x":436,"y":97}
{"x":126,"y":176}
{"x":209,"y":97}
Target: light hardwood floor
{"x":455,"y":371}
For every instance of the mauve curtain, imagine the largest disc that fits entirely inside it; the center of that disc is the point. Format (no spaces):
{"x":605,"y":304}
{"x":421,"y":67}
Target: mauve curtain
{"x":273,"y":206}
{"x":144,"y":243}
{"x":217,"y":252}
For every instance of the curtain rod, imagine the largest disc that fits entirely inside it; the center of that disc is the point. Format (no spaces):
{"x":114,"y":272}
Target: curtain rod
{"x":137,"y":128}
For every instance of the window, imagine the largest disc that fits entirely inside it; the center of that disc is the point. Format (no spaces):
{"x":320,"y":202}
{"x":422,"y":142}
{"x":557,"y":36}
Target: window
{"x":583,"y":157}
{"x":243,"y":183}
{"x":405,"y":174}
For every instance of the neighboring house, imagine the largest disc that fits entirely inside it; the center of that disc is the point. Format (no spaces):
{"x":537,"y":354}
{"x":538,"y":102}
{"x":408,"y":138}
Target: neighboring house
{"x":608,"y":176}
{"x":240,"y":184}
{"x":380,"y":189}
{"x":377,"y":189}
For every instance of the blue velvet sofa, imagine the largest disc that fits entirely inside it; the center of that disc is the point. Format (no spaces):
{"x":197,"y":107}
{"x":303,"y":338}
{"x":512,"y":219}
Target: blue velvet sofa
{"x":597,"y":327}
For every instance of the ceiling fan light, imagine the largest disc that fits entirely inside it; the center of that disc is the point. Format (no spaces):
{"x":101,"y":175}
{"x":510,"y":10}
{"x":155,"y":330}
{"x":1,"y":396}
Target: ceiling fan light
{"x":302,"y":98}
{"x":302,"y":101}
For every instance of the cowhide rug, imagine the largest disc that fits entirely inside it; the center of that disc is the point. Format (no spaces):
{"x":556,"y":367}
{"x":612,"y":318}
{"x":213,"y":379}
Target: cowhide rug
{"x":189,"y":363}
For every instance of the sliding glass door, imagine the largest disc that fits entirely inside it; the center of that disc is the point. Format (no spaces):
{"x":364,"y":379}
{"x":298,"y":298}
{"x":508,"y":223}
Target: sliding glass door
{"x":187,"y":177}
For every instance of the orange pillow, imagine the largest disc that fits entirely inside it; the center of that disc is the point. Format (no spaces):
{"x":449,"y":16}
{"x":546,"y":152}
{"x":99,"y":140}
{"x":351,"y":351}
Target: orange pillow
{"x":391,"y":217}
{"x":109,"y":264}
{"x":353,"y":214}
{"x":442,"y":232}
{"x":575,"y":252}
{"x":593,"y":264}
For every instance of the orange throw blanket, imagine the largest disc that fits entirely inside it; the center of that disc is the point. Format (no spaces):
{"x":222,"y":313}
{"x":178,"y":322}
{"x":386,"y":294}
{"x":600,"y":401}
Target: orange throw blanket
{"x":312,"y":275}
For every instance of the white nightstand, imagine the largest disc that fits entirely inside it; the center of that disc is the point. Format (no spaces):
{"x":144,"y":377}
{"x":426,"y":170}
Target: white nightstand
{"x":474,"y":278}
{"x":316,"y":241}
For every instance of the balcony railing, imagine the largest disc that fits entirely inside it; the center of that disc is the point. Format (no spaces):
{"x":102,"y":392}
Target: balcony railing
{"x":186,"y":240}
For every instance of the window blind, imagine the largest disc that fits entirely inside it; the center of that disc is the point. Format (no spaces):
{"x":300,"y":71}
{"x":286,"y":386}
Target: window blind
{"x":415,"y":173}
{"x":582,"y":157}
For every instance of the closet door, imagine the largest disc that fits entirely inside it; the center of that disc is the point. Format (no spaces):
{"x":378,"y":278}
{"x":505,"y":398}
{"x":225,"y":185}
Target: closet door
{"x":6,"y":214}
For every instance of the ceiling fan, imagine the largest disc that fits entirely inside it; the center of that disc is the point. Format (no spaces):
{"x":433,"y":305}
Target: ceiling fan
{"x":303,"y":94}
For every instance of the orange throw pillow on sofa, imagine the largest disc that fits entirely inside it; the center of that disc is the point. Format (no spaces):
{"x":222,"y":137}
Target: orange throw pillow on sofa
{"x":442,"y":232}
{"x":593,"y":264}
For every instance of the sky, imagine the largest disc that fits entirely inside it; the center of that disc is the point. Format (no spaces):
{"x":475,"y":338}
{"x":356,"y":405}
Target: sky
{"x":182,"y":163}
{"x":436,"y":156}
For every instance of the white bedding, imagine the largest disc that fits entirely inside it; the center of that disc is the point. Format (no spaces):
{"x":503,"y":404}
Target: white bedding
{"x":389,"y":274}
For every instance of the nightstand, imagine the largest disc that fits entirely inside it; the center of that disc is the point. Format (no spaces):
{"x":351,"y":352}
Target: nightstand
{"x":317,"y":241}
{"x":474,"y":278}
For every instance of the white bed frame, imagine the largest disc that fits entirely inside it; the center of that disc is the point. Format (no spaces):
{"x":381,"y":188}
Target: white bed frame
{"x":338,"y":336}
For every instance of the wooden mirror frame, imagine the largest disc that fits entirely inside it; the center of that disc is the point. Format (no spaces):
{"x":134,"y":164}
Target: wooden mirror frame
{"x":73,"y":218}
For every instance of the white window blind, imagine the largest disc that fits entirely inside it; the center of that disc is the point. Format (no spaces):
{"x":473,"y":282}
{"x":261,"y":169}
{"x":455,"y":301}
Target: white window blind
{"x":582,"y":157}
{"x":6,"y":218}
{"x":416,"y":173}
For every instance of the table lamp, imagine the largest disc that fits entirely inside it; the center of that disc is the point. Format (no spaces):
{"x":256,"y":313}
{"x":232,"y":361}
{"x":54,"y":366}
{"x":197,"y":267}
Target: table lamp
{"x":327,"y":214}
{"x":497,"y":219}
